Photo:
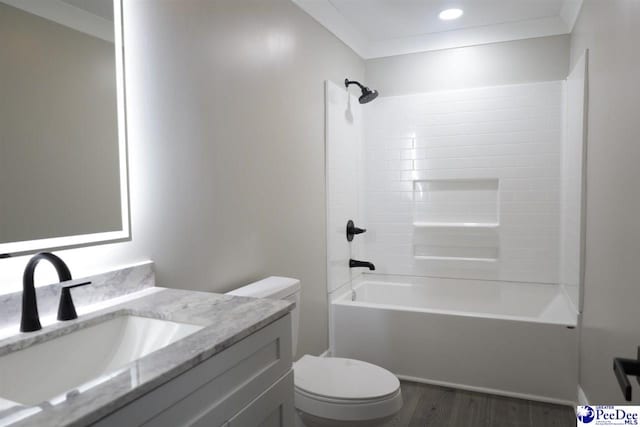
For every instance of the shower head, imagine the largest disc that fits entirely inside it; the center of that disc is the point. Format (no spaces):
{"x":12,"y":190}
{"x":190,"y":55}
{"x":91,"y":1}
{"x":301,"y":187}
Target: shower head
{"x":368,"y":95}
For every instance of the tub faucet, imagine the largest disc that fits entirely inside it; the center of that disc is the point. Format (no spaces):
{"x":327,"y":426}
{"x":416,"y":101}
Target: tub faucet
{"x":30,"y":320}
{"x":355,"y":263}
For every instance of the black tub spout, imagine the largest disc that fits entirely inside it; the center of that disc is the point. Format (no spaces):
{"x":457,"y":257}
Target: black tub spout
{"x":353,"y":263}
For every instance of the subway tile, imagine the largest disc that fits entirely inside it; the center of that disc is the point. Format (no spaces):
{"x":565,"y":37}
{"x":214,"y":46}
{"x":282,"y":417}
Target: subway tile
{"x":510,"y":133}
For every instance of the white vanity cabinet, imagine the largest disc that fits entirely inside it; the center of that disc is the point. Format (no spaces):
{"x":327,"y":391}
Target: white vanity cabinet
{"x":248,"y":384}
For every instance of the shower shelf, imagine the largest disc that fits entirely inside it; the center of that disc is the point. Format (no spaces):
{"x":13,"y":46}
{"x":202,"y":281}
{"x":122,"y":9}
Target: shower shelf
{"x":456,"y":224}
{"x":451,"y":258}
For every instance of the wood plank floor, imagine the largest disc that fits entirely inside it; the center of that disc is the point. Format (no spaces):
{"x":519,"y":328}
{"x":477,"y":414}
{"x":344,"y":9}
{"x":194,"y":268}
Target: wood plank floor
{"x":432,"y":406}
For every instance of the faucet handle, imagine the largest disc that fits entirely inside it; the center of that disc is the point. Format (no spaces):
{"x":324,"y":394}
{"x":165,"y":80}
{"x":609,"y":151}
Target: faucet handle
{"x":353,"y":230}
{"x":66,"y":308}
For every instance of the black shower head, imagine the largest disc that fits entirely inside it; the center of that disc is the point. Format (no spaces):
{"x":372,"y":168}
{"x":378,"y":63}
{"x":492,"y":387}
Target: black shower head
{"x":368,"y":95}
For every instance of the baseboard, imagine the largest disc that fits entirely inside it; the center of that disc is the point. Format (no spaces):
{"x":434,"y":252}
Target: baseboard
{"x":582,"y":397}
{"x":489,"y":391}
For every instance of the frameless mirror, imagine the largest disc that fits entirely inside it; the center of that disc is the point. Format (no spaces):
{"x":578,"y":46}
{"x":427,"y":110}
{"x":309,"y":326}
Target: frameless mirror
{"x":63,"y":175}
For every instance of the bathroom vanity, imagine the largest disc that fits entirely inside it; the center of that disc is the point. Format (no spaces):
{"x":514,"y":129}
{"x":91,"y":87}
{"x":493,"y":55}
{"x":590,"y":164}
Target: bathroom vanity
{"x":163,"y":358}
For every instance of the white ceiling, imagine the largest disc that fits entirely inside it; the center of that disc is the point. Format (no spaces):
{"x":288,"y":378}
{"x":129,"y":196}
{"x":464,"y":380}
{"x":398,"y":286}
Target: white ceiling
{"x":377,"y":28}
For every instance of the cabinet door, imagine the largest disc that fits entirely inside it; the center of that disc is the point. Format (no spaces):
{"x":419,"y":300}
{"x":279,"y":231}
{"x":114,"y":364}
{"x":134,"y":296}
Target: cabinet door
{"x":213,"y":391}
{"x":273,"y":408}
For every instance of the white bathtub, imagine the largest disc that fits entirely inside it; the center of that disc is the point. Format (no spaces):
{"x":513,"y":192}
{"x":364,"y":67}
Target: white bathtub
{"x":505,"y":338}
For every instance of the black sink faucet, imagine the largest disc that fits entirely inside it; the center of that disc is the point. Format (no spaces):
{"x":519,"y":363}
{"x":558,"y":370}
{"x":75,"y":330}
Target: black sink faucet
{"x":30,"y":319}
{"x":355,"y":263}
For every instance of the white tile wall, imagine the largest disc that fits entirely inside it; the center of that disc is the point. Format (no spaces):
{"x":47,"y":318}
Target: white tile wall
{"x":511,"y":134}
{"x":344,"y":134}
{"x":451,"y":201}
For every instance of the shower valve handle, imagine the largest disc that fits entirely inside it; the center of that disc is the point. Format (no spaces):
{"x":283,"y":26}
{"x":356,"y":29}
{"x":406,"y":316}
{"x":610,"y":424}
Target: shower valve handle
{"x":352,"y":230}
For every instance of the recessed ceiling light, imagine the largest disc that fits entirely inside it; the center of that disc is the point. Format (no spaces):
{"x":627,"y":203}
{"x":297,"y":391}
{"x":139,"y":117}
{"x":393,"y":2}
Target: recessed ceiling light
{"x":449,"y":14}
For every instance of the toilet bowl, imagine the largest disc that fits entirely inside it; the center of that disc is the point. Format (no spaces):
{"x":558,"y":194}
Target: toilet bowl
{"x":332,"y":391}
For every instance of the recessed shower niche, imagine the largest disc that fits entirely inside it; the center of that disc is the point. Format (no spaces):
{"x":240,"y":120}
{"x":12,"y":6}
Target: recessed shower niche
{"x":456,"y":219}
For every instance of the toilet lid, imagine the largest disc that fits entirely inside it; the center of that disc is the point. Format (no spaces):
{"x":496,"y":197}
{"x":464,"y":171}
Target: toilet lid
{"x":338,"y":378}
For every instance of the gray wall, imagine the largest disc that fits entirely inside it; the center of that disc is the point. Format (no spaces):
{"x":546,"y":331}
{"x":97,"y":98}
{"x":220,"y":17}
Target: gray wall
{"x":611,"y":319}
{"x":59,"y":172}
{"x":226,"y":148}
{"x":521,"y":61}
{"x":230,"y":96}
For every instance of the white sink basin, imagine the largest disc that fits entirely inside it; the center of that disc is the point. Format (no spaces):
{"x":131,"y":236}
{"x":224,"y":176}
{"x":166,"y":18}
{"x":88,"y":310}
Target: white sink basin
{"x":44,"y":371}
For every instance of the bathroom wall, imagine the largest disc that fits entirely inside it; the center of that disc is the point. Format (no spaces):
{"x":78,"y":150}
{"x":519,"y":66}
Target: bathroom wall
{"x":465,"y":183}
{"x":226,"y":149}
{"x":515,"y":62}
{"x":612,"y":286}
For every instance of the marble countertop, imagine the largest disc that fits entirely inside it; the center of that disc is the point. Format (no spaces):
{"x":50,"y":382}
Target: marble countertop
{"x":225,"y":320}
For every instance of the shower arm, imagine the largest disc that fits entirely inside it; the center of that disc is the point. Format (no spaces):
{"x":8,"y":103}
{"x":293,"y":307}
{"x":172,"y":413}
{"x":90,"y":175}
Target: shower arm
{"x":348,"y":82}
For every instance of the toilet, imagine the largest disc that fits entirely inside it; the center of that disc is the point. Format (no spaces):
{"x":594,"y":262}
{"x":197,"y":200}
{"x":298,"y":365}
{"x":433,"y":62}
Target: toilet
{"x":331,"y":391}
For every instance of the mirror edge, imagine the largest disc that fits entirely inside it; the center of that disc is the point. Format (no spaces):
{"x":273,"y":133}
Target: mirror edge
{"x":14,"y":249}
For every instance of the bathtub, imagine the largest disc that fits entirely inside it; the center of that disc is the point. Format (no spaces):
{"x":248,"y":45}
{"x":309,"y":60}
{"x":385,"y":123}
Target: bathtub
{"x":513,"y":339}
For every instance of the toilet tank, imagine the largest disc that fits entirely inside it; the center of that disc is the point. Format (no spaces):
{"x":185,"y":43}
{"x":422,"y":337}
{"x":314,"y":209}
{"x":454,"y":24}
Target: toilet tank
{"x":276,"y":287}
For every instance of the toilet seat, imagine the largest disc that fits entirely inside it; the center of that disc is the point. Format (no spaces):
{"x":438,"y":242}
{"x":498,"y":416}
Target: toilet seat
{"x":345,"y":389}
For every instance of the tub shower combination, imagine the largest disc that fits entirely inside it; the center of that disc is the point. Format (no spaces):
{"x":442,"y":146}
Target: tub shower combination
{"x":471,"y":200}
{"x":515,"y":339}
